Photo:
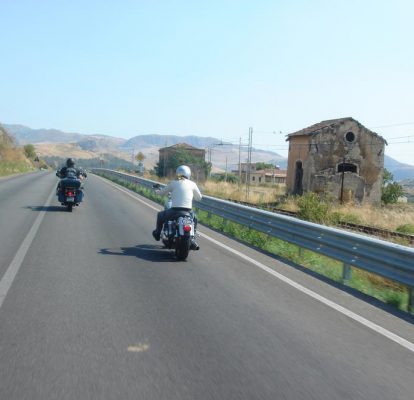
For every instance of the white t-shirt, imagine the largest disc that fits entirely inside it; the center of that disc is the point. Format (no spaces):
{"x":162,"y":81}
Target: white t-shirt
{"x":182,"y":193}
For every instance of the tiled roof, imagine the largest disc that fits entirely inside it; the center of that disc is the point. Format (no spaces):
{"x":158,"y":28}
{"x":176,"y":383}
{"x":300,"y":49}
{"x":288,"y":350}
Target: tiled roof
{"x":320,"y":125}
{"x":270,"y":172}
{"x":310,"y":130}
{"x":181,"y":146}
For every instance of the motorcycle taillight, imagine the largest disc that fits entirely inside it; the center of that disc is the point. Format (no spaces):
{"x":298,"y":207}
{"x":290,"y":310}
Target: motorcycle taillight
{"x":187,"y":228}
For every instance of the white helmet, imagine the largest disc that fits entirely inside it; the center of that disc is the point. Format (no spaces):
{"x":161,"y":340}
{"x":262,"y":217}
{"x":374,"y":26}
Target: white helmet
{"x":183,"y":172}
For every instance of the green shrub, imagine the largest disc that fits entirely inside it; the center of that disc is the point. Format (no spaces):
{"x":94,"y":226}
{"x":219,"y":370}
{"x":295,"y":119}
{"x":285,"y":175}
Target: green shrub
{"x":337,"y":217}
{"x":350,"y":218}
{"x":391,"y":193}
{"x":406,"y":228}
{"x":29,"y":151}
{"x":313,"y":208}
{"x":395,"y":299}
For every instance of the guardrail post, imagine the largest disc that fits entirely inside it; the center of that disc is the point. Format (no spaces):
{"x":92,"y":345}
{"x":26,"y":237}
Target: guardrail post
{"x":300,"y":252}
{"x":411,"y":300}
{"x":346,"y":273}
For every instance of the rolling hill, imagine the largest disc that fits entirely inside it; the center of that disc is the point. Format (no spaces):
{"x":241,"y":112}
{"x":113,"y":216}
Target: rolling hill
{"x":56,"y":143}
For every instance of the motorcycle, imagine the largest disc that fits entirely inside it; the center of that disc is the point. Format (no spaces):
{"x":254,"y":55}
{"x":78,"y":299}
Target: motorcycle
{"x":70,"y":193}
{"x":179,"y":232}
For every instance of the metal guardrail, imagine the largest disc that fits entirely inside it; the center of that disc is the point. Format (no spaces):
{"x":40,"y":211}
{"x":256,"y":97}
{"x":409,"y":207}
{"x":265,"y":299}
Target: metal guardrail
{"x":370,"y":230}
{"x":383,"y":258}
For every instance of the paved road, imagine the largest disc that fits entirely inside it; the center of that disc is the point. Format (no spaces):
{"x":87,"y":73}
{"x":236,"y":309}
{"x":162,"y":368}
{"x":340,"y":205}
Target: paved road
{"x":97,"y":310}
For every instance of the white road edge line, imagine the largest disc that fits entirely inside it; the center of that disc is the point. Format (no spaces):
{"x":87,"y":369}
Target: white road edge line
{"x":369,"y":324}
{"x":12,"y":270}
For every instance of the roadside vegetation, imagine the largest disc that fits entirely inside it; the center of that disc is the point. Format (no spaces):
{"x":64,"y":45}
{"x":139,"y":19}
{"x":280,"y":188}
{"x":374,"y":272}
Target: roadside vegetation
{"x":394,"y":216}
{"x":372,"y":285}
{"x":389,"y":215}
{"x":14,"y":159}
{"x":397,"y":217}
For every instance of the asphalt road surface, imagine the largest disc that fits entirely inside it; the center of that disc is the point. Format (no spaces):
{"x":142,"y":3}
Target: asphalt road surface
{"x":91,"y":307}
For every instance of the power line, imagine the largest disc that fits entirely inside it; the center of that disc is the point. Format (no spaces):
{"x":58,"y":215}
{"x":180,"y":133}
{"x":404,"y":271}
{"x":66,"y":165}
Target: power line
{"x":402,"y":137}
{"x":392,"y":125}
{"x":401,"y":142}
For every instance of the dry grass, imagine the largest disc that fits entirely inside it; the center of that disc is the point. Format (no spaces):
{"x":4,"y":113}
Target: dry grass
{"x":13,"y":161}
{"x":387,"y":217}
{"x":63,"y":150}
{"x":257,"y":194}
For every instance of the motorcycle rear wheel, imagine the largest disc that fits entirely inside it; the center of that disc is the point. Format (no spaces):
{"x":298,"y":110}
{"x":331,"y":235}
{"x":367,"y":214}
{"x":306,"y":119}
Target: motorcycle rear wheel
{"x":182,"y":248}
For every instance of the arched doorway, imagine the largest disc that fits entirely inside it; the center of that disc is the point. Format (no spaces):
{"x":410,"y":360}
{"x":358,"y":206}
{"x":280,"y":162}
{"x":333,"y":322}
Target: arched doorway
{"x":298,"y":186}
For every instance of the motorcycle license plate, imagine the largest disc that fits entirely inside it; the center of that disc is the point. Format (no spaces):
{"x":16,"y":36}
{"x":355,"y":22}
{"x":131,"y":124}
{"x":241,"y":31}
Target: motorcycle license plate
{"x":70,"y":199}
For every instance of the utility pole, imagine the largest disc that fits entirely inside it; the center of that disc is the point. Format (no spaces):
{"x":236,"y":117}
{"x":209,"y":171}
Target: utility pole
{"x":225,"y":174}
{"x":209,"y":159}
{"x":164,"y":162}
{"x":342,"y":180}
{"x":249,"y":161}
{"x":239,"y":161}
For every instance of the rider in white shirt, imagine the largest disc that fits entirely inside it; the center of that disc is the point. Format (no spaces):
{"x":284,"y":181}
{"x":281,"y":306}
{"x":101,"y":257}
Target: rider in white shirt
{"x":183,"y":191}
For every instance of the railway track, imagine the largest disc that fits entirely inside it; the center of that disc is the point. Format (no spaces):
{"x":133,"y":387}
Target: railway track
{"x":369,"y":230}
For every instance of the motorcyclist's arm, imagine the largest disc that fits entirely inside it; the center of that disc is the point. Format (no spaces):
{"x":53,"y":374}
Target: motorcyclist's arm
{"x":62,"y":172}
{"x":196,"y":193}
{"x":165,"y":189}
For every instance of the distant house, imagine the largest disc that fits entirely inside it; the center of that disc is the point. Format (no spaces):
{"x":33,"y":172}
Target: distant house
{"x":245,"y":167}
{"x":270,"y":175}
{"x":276,"y":176}
{"x":339,"y":157}
{"x":165,"y":153}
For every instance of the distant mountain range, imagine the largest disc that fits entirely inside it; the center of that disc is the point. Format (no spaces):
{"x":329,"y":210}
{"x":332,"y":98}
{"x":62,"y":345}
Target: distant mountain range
{"x":399,"y":170}
{"x":168,"y":140}
{"x":222,"y":154}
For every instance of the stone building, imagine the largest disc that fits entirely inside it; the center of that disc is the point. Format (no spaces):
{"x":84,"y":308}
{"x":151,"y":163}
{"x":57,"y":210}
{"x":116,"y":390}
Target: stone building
{"x":197,"y":173}
{"x":338,"y":157}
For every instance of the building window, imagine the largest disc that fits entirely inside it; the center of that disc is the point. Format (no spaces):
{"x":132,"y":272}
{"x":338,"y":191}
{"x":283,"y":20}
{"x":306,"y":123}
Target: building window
{"x":253,"y":178}
{"x":350,"y":137}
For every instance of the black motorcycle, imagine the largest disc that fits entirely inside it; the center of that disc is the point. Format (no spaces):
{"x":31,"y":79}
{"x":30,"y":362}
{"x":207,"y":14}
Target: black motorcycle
{"x":70,"y":192}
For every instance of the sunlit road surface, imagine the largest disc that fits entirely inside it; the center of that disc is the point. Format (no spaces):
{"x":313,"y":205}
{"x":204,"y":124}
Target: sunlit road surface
{"x":93,"y":308}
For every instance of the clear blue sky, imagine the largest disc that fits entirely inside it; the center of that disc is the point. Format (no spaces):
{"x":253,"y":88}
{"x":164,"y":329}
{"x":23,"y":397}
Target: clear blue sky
{"x":209,"y":68}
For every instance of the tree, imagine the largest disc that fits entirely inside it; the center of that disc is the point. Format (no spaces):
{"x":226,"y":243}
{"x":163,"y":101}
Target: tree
{"x":263,"y":165}
{"x":29,"y":151}
{"x":391,"y":190}
{"x":388,"y":177}
{"x":140,"y":157}
{"x":180,"y":157}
